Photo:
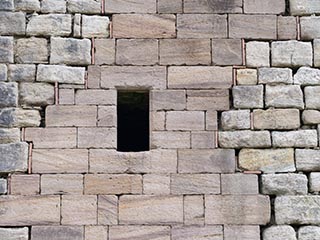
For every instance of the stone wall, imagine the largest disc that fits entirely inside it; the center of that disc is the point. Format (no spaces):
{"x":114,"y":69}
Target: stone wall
{"x":235,"y":119}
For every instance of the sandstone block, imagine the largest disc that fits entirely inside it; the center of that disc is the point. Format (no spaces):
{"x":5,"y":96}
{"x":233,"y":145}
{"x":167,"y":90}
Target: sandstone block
{"x":226,"y":52}
{"x":107,"y":116}
{"x":12,"y":23}
{"x":267,"y":160}
{"x":14,"y":233}
{"x":79,"y":210}
{"x":202,"y":26}
{"x":185,"y":120}
{"x":95,"y":26}
{"x":312,"y":97}
{"x":105,"y":51}
{"x":97,"y":137}
{"x":291,"y":54}
{"x":9,"y":135}
{"x":56,"y":232}
{"x":288,"y":96}
{"x":60,"y":74}
{"x":96,"y":232}
{"x":155,"y":184}
{"x":310,"y":27}
{"x":36,"y":94}
{"x":211,"y":120}
{"x":300,"y":138}
{"x":17,"y":117}
{"x":6,"y":5}
{"x":244,"y":139}
{"x":275,"y":76}
{"x":150,"y":209}
{"x":197,"y":232}
{"x":287,"y":27}
{"x":203,"y":140}
{"x":244,"y":184}
{"x":61,"y":184}
{"x":236,"y":119}
{"x":257,"y":54}
{"x":311,"y":117}
{"x":168,"y":100}
{"x":193,"y":210}
{"x":84,"y":6}
{"x":264,"y":7}
{"x":31,"y":50}
{"x":252,"y":26}
{"x":248,"y":96}
{"x":202,"y":6}
{"x":13,"y":157}
{"x":3,"y":72}
{"x":139,"y":232}
{"x":247,"y":76}
{"x":308,"y":232}
{"x":316,"y":53}
{"x":304,"y":7}
{"x":250,"y":209}
{"x":158,"y":120}
{"x":276,"y":119}
{"x":70,"y":51}
{"x":170,"y":6}
{"x":170,"y":139}
{"x":133,"y":76}
{"x":25,"y":184}
{"x":155,"y":26}
{"x":6,"y":49}
{"x":279,"y":232}
{"x":8,"y":94}
{"x":22,"y":73}
{"x":50,"y":25}
{"x":234,"y":232}
{"x":307,"y":160}
{"x":66,"y":96}
{"x":53,"y":6}
{"x":107,"y":209}
{"x":136,"y":6}
{"x":96,"y":97}
{"x":206,"y":161}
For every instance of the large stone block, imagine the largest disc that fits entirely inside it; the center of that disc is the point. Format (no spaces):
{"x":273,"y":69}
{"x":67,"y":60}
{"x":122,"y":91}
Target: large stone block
{"x":13,"y":157}
{"x":22,"y":72}
{"x":97,"y":137}
{"x":56,"y":233}
{"x":300,"y":138}
{"x":156,"y":184}
{"x":139,"y":232}
{"x":12,"y":23}
{"x":170,"y":139}
{"x":8,"y":94}
{"x":314,"y":182}
{"x":287,"y":27}
{"x":14,"y":233}
{"x":36,"y":94}
{"x":168,"y":100}
{"x":17,"y":117}
{"x":244,"y":139}
{"x":236,"y":119}
{"x":96,"y":232}
{"x":203,"y":140}
{"x":136,"y":6}
{"x":105,"y":51}
{"x":286,"y":96}
{"x":6,"y":49}
{"x":311,"y":117}
{"x":265,"y":7}
{"x":312,"y":97}
{"x":308,"y":160}
{"x":247,"y":76}
{"x":61,"y":184}
{"x":25,"y":184}
{"x":95,"y":26}
{"x":197,"y":232}
{"x":248,"y":96}
{"x":234,"y":232}
{"x":185,"y":120}
{"x":242,"y":184}
{"x":208,"y":100}
{"x":9,"y":135}
{"x":31,"y":50}
{"x":304,"y":7}
{"x":3,"y":186}
{"x":60,"y":74}
{"x":215,"y":6}
{"x":227,"y":52}
{"x":6,"y":5}
{"x":279,"y":232}
{"x":107,"y":116}
{"x":170,"y":6}
{"x":53,"y":6}
{"x":310,"y":27}
{"x":107,"y":210}
{"x":309,"y":232}
{"x":84,"y":6}
{"x":193,"y":210}
{"x":257,"y":54}
{"x":96,"y":97}
{"x":274,"y":76}
{"x":27,"y":5}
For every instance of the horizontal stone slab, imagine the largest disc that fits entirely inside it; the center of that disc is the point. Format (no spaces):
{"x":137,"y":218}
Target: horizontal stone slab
{"x":139,"y":232}
{"x":60,"y":74}
{"x":56,"y":232}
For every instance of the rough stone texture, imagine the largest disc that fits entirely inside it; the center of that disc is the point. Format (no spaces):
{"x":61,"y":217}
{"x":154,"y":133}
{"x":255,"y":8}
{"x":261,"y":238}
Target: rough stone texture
{"x":304,"y":7}
{"x":16,"y":117}
{"x":191,"y":120}
{"x":3,"y":72}
{"x":307,"y":76}
{"x":12,"y":23}
{"x":316,"y":52}
{"x":300,"y":138}
{"x":22,"y":73}
{"x":60,"y":74}
{"x":56,"y":233}
{"x":3,"y":186}
{"x":27,"y":5}
{"x":264,"y":7}
{"x":288,"y":96}
{"x":8,"y":94}
{"x":279,"y":232}
{"x":309,"y":233}
{"x":139,"y":232}
{"x":61,"y":184}
{"x":9,"y":135}
{"x":84,"y":6}
{"x":14,"y":233}
{"x":287,"y":27}
{"x":307,"y":160}
{"x":202,"y":6}
{"x":6,"y":5}
{"x":247,"y":77}
{"x":107,"y":116}
{"x":267,"y":160}
{"x":310,"y":27}
{"x":235,"y":120}
{"x":273,"y":76}
{"x":136,"y":6}
{"x":248,"y":96}
{"x":14,"y":157}
{"x":234,"y":232}
{"x":95,"y":26}
{"x":257,"y":54}
{"x":244,"y":184}
{"x":314,"y":182}
{"x":53,"y":6}
{"x":31,"y":50}
{"x":227,"y":52}
{"x":311,"y":117}
{"x":6,"y":49}
{"x":312,"y":97}
{"x":197,"y":232}
{"x":36,"y":94}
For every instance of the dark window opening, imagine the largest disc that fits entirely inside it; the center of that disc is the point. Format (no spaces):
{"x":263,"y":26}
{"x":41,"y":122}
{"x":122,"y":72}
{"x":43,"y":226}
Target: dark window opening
{"x":133,"y":121}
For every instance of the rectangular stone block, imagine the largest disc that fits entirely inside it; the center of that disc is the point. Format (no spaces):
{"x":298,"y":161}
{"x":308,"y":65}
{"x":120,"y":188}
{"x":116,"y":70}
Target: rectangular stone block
{"x":236,"y":119}
{"x":9,"y":135}
{"x":193,"y":210}
{"x":4,"y":186}
{"x":307,"y":160}
{"x":248,"y":96}
{"x":244,"y":139}
{"x":243,"y":184}
{"x":206,"y":161}
{"x":99,"y":137}
{"x":169,"y":6}
{"x":36,"y":94}
{"x":170,"y":139}
{"x":14,"y":233}
{"x":12,"y":23}
{"x":60,"y":74}
{"x":215,"y":6}
{"x":310,"y":27}
{"x":264,"y":7}
{"x":96,"y":232}
{"x":139,"y":232}
{"x":6,"y":5}
{"x":105,"y":51}
{"x":59,"y":160}
{"x":25,"y":184}
{"x":201,"y":26}
{"x":287,"y":27}
{"x":226,"y":52}
{"x":300,"y":138}
{"x":134,"y":77}
{"x":136,"y":210}
{"x":107,"y":209}
{"x":197,"y":232}
{"x":56,"y":233}
{"x":31,"y":50}
{"x":185,"y":120}
{"x":287,"y":96}
{"x":21,"y":72}
{"x":6,"y":49}
{"x":95,"y":97}
{"x":168,"y":100}
{"x":61,"y":184}
{"x":257,"y":54}
{"x":84,"y":6}
{"x":274,"y":76}
{"x":3,"y":72}
{"x":249,"y":209}
{"x":314,"y":182}
{"x":27,"y":5}
{"x":95,"y":26}
{"x":107,"y":116}
{"x":66,"y":96}
{"x":155,"y":184}
{"x":8,"y":94}
{"x":211,"y":120}
{"x":234,"y":232}
{"x":311,"y":97}
{"x":155,"y":26}
{"x":29,"y":210}
{"x":195,"y":184}
{"x":304,"y":7}
{"x":13,"y":157}
{"x":247,"y":76}
{"x":203,"y":140}
{"x":50,"y":6}
{"x":308,"y":117}
{"x":18,"y":117}
{"x":253,"y":26}
{"x":136,"y":6}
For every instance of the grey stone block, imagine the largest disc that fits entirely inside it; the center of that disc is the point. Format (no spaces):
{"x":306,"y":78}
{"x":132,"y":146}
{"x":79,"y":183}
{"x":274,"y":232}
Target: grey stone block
{"x":61,"y":74}
{"x":53,"y":6}
{"x":84,"y":6}
{"x":13,"y":157}
{"x":31,"y":50}
{"x":14,"y":233}
{"x":307,"y":76}
{"x":312,"y":95}
{"x":289,"y":96}
{"x":3,"y":187}
{"x":257,"y":54}
{"x":6,"y":49}
{"x":274,"y":76}
{"x":3,"y":72}
{"x":307,"y":160}
{"x":6,"y":5}
{"x":310,"y":27}
{"x":235,"y":119}
{"x":309,"y":233}
{"x":8,"y":94}
{"x":15,"y":117}
{"x":279,"y":233}
{"x":22,"y":72}
{"x":304,"y":7}
{"x":9,"y":135}
{"x":57,"y":232}
{"x":300,"y":138}
{"x":248,"y":96}
{"x":12,"y":23}
{"x":36,"y":94}
{"x":27,"y":5}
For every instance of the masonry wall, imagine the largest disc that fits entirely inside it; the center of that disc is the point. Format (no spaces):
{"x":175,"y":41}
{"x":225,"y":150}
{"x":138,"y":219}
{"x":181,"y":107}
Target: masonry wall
{"x":235,"y":119}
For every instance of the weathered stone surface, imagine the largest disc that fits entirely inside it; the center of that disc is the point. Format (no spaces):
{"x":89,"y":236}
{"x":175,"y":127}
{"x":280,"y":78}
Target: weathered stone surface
{"x":25,"y":184}
{"x":96,"y":232}
{"x":316,"y":53}
{"x":257,"y":54}
{"x":36,"y":94}
{"x":14,"y":233}
{"x":154,"y":161}
{"x":50,"y":25}
{"x":112,"y":184}
{"x":234,"y":232}
{"x":97,"y":138}
{"x":202,"y":26}
{"x":249,"y":209}
{"x":6,"y":5}
{"x":136,"y":6}
{"x":226,"y":52}
{"x":150,"y":209}
{"x":77,"y":25}
{"x":276,"y":119}
{"x":300,"y":138}
{"x":244,"y":184}
{"x":21,"y":72}
{"x":264,"y":7}
{"x":53,"y":6}
{"x":170,"y":139}
{"x":56,"y":232}
{"x":248,"y":96}
{"x":185,"y":52}
{"x":79,"y":210}
{"x":215,"y":6}
{"x":17,"y":117}
{"x":206,"y":161}
{"x":96,"y":97}
{"x":137,"y":52}
{"x":274,"y":76}
{"x":193,"y":210}
{"x":308,"y":233}
{"x":66,"y":96}
{"x":8,"y":94}
{"x":155,"y":26}
{"x":155,"y":184}
{"x":168,"y":100}
{"x":267,"y":160}
{"x":244,"y":139}
{"x":107,"y":209}
{"x":284,"y":184}
{"x":304,"y":7}
{"x":107,"y":116}
{"x":287,"y":96}
{"x":3,"y":186}
{"x":29,"y":210}
{"x":312,"y":97}
{"x":9,"y":135}
{"x":197,"y":232}
{"x":139,"y":232}
{"x":297,"y":210}
{"x":279,"y":232}
{"x":105,"y":51}
{"x":70,"y":51}
{"x":291,"y":54}
{"x":84,"y":6}
{"x":211,"y":120}
{"x":61,"y":183}
{"x":13,"y":157}
{"x":6,"y":49}
{"x":310,"y":27}
{"x":247,"y":76}
{"x":133,"y":76}
{"x":170,"y":6}
{"x":314,"y":182}
{"x":311,"y":117}
{"x":195,"y":184}
{"x":207,"y":77}
{"x":236,"y":119}
{"x":95,"y":26}
{"x":12,"y":23}
{"x":203,"y":140}
{"x":60,"y":74}
{"x":185,"y":120}
{"x":208,"y":100}
{"x":307,"y":160}
{"x":287,"y":27}
{"x":252,"y":26}
{"x":3,"y":72}
{"x":27,"y":5}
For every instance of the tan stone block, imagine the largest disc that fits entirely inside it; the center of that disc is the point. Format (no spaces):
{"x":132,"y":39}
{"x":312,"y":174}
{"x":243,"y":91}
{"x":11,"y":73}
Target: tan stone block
{"x":52,"y":137}
{"x":158,"y":121}
{"x":214,"y":6}
{"x":206,"y":77}
{"x":154,"y":26}
{"x":137,"y":52}
{"x":233,"y":232}
{"x":56,"y":233}
{"x":107,"y":210}
{"x":25,"y":184}
{"x":247,"y":76}
{"x":206,"y":161}
{"x":29,"y":210}
{"x":96,"y":97}
{"x":239,"y":184}
{"x":105,"y":51}
{"x":264,"y":7}
{"x":197,"y":232}
{"x":211,"y":120}
{"x":112,"y":184}
{"x":193,"y":210}
{"x":134,"y":77}
{"x":244,"y":139}
{"x":150,"y":209}
{"x":61,"y":184}
{"x":139,"y":233}
{"x":168,"y":99}
{"x":195,"y":184}
{"x":135,"y":6}
{"x":97,"y":137}
{"x":185,"y":52}
{"x":202,"y":26}
{"x":59,"y":160}
{"x":66,"y":96}
{"x":208,"y":100}
{"x":96,"y":232}
{"x":79,"y":210}
{"x":154,"y":161}
{"x":185,"y":120}
{"x":94,"y":76}
{"x":287,"y":27}
{"x":71,"y":116}
{"x":249,"y":209}
{"x":156,"y":184}
{"x":169,"y":6}
{"x":170,"y":139}
{"x":203,"y":140}
{"x":107,"y":116}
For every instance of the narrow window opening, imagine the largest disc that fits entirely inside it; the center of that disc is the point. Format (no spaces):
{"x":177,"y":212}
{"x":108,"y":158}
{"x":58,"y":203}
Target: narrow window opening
{"x":133,"y":121}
